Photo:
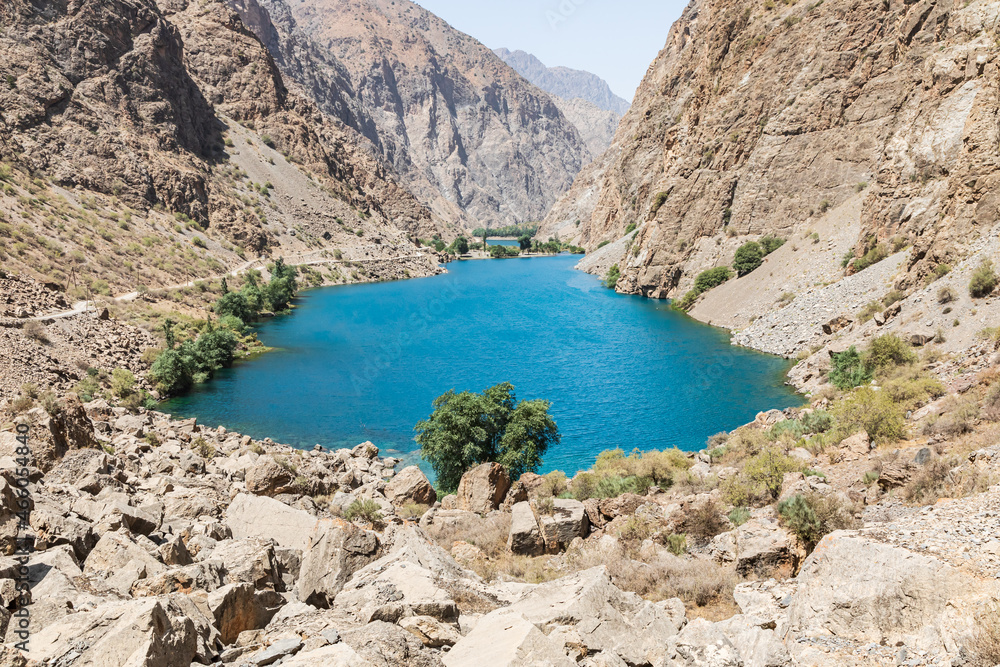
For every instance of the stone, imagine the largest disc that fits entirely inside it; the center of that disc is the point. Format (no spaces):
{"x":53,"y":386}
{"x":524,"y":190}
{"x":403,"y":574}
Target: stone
{"x":430,"y":631}
{"x":757,"y":547}
{"x":525,"y":537}
{"x":604,"y":617}
{"x":701,"y":644}
{"x":249,"y":560}
{"x":233,"y":609}
{"x":410,"y":486}
{"x":836,"y":324}
{"x":895,"y":475}
{"x":483,"y":488}
{"x":510,"y":640}
{"x":334,"y":554}
{"x":268,"y":478}
{"x":856,"y":446}
{"x":266,"y":518}
{"x":276,"y":651}
{"x":149,"y":632}
{"x":567,"y":521}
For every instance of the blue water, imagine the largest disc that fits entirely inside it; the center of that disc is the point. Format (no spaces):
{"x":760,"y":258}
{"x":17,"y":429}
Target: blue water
{"x":364,"y":362}
{"x":506,"y":242}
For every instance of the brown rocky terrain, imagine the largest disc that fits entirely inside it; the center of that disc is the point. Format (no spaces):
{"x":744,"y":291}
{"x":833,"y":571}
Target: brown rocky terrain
{"x":759,"y":119}
{"x":162,"y":138}
{"x":159,"y":542}
{"x":584,"y":98}
{"x":472,"y":139}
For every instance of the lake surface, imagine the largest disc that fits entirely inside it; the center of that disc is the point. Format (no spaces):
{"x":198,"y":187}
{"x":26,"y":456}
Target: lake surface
{"x":364,"y":362}
{"x":513,"y":243}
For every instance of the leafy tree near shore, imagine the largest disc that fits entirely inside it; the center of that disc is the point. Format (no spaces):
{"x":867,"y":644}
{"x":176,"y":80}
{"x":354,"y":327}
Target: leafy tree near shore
{"x":524,"y":242}
{"x":468,"y":429}
{"x":749,"y":256}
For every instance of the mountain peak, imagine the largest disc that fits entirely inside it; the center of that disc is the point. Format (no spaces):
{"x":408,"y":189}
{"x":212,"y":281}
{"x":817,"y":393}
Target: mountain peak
{"x":564,"y":82}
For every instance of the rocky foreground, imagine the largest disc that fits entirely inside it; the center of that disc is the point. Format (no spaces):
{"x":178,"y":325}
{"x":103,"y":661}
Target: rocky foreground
{"x":159,"y":543}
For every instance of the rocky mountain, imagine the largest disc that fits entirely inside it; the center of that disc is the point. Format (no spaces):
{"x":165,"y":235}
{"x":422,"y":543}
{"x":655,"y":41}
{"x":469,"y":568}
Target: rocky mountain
{"x":473,"y":140}
{"x":584,"y":98}
{"x":763,"y":118}
{"x":161,"y":142}
{"x":569,"y":84}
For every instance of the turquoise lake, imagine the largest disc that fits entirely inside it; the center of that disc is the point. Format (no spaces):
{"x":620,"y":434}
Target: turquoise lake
{"x":364,"y":362}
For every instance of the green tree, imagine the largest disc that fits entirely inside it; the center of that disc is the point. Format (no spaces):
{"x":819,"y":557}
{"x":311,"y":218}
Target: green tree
{"x":468,"y":429}
{"x":848,"y":369}
{"x":234,"y":304}
{"x":612,"y":277}
{"x":168,"y":332}
{"x":524,"y":242}
{"x":172,"y":372}
{"x":462,"y":245}
{"x":771,"y":243}
{"x":706,"y":280}
{"x":984,"y":280}
{"x":749,"y":256}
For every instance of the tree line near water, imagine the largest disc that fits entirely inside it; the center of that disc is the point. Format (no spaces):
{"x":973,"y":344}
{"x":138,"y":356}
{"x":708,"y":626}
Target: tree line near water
{"x":182,"y":365}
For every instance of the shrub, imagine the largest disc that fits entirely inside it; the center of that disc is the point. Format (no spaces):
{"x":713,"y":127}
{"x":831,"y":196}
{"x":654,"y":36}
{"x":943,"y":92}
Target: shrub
{"x":706,"y":280}
{"x":267,"y":141}
{"x":817,"y":421}
{"x":812,"y":516}
{"x":705,"y":522}
{"x":848,"y":370}
{"x":602,"y":244}
{"x":889,"y":350}
{"x":365,"y":510}
{"x":739,"y":516}
{"x":771,"y":243}
{"x":984,"y":280}
{"x":677,"y":544}
{"x":686,"y":303}
{"x":748,"y":257}
{"x":203,"y":449}
{"x":199,"y":242}
{"x":467,"y":429}
{"x":503,"y":252}
{"x":612,"y":277}
{"x":912,"y":387}
{"x":636,"y":529}
{"x":659,"y":201}
{"x":631,"y":228}
{"x":172,"y":373}
{"x":760,"y":480}
{"x":35,"y":330}
{"x":872,"y":411}
{"x":122,"y":382}
{"x":985,"y":649}
{"x":873,"y":256}
{"x":946,"y":295}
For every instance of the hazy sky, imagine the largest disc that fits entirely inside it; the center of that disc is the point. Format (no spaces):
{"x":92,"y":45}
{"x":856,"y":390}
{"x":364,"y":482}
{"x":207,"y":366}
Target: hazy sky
{"x":615,"y":39}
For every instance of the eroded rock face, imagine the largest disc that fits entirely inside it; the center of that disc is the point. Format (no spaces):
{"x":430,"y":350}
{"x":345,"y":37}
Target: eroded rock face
{"x":750,"y":119}
{"x":518,"y":151}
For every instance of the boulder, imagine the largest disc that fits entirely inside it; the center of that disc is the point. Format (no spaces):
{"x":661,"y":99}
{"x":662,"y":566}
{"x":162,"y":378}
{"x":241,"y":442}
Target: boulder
{"x":430,"y":631}
{"x":525,"y":537}
{"x":234,"y":610}
{"x":509,"y":640}
{"x":857,"y":446}
{"x":268,"y":478}
{"x":266,"y":518}
{"x":483,"y":488}
{"x":702,"y":644}
{"x":601,"y":616}
{"x":334,"y":554}
{"x":836,"y":324}
{"x":248,"y":560}
{"x":757,"y":547}
{"x":864,"y":590}
{"x":895,"y":475}
{"x":567,"y":521}
{"x":276,"y":651}
{"x":150,"y":632}
{"x":386,"y":645}
{"x":410,"y":486}
{"x":120,"y":561}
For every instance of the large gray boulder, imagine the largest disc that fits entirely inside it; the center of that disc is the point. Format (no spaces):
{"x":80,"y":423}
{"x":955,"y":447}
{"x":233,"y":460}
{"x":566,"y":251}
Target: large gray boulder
{"x":525,"y":537}
{"x":334,"y":553}
{"x":505,"y":638}
{"x":600,"y":616}
{"x":483,"y":488}
{"x":759,"y":546}
{"x":567,"y":521}
{"x":268,"y":478}
{"x":702,"y":644}
{"x":149,"y":632}
{"x":410,"y":486}
{"x":266,"y":518}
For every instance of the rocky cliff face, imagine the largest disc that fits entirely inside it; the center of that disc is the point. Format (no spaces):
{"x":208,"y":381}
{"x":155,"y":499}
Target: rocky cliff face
{"x":757,"y":119}
{"x":565,"y":82}
{"x":149,"y":126}
{"x":475,"y":141}
{"x":584,"y":98}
